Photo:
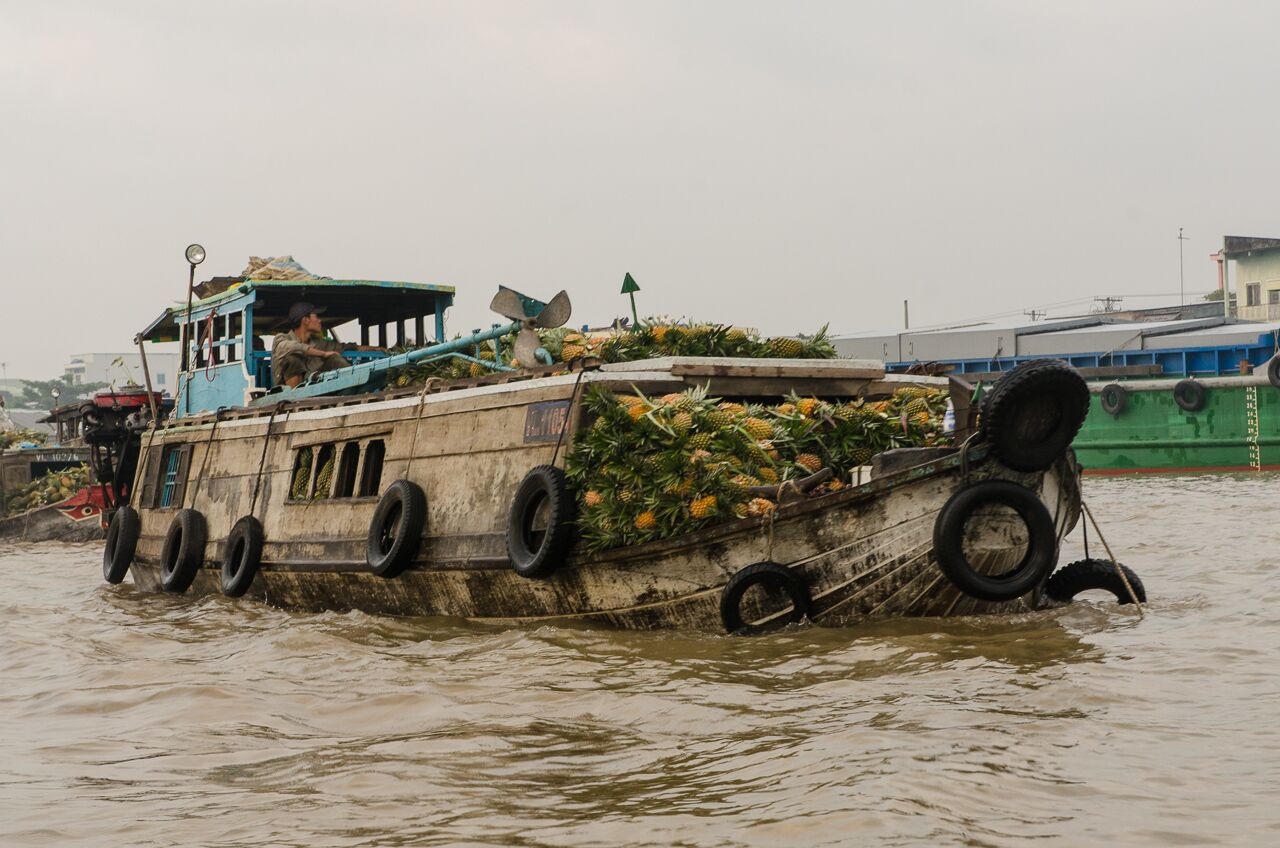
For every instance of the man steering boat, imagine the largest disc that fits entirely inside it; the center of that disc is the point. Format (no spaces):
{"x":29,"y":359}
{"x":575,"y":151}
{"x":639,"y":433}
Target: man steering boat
{"x":302,"y":350}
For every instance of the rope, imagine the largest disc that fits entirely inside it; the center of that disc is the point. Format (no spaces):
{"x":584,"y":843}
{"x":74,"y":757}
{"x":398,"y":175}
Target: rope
{"x":1123,"y":579}
{"x":208,"y":333}
{"x":208,"y":449}
{"x":564,"y":425}
{"x":417,"y":422}
{"x":262,"y":462}
{"x":1086,"y":537}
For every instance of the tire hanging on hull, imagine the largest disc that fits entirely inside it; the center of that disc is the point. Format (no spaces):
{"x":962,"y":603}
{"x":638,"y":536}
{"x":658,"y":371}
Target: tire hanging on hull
{"x":766,"y":574}
{"x":540,"y":522}
{"x":122,"y":542}
{"x":1085,"y":574}
{"x":395,"y":533}
{"x":949,"y":537}
{"x":183,"y":553}
{"x":241,"y":556}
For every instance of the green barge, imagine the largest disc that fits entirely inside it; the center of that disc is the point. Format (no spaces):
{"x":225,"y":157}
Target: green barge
{"x":1139,"y":426}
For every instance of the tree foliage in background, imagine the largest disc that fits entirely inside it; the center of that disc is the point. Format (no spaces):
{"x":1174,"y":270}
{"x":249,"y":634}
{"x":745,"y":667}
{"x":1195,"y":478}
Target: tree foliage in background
{"x":39,"y":393}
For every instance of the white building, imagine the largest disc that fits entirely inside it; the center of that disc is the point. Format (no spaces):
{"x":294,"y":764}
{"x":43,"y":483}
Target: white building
{"x":123,"y":368}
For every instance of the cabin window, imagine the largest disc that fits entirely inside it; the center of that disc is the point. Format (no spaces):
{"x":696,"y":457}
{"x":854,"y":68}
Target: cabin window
{"x":1253,"y":294}
{"x":371,"y":477}
{"x":300,"y":485}
{"x":173,"y":479}
{"x":345,"y":485}
{"x":325,"y":462}
{"x":235,"y":323}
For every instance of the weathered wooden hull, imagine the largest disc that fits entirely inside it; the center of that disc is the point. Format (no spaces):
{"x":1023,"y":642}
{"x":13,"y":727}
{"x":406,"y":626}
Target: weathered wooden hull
{"x":864,"y":552}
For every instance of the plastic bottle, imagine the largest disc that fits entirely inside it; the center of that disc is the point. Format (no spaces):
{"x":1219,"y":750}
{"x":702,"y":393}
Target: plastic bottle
{"x":949,"y":418}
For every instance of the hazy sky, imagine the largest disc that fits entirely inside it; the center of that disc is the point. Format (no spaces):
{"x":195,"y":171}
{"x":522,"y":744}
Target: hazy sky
{"x":778,"y":165}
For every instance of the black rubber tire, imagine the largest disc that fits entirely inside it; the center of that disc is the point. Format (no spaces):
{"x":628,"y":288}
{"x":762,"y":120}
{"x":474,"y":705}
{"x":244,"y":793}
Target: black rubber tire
{"x":1033,"y":413}
{"x":122,"y":542}
{"x":241,"y":556}
{"x":536,"y":553}
{"x":1085,"y":574}
{"x":183,"y":553}
{"x":1036,"y":564}
{"x":395,"y":533}
{"x":1189,"y":395}
{"x":1114,"y":399}
{"x":758,"y":573}
{"x":1273,"y":371}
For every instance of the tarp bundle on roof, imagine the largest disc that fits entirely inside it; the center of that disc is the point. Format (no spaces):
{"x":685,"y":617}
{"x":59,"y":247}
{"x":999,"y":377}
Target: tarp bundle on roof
{"x":277,"y":268}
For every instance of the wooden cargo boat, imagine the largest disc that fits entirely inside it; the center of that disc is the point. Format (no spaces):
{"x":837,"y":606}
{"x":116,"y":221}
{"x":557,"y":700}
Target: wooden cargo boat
{"x":449,"y":501}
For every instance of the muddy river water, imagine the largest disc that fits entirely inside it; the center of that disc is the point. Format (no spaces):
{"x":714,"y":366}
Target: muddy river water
{"x":140,"y":720}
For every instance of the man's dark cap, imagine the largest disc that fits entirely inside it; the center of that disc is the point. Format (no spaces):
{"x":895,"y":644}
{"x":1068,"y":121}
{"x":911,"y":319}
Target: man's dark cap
{"x":301,"y":310}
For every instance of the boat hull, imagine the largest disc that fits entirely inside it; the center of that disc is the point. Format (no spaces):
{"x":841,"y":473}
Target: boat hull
{"x":1237,"y":430}
{"x":864,"y":553}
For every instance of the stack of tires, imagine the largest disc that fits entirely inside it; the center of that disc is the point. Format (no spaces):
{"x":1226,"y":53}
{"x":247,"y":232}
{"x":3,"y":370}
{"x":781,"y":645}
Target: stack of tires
{"x":1029,"y":419}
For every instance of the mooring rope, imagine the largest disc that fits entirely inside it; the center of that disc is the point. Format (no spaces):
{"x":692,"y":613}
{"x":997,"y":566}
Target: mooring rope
{"x":208,"y":449}
{"x":1123,"y":579}
{"x":417,"y":422}
{"x":262,"y":462}
{"x":564,"y":425}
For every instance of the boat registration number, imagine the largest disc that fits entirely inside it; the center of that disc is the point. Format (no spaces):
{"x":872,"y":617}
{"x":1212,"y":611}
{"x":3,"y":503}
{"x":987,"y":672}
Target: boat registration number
{"x":543,"y":422}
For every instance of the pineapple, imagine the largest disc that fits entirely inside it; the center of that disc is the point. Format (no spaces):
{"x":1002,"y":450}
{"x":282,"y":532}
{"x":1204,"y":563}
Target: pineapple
{"x":807,"y":407}
{"x":743,"y":481}
{"x":787,"y":409}
{"x":659,"y":332}
{"x":719,"y":419}
{"x":700,"y":456}
{"x":324,"y":479}
{"x":701,"y":441}
{"x":630,"y":400}
{"x":810,"y":462}
{"x":703,"y":507}
{"x":626,"y":495}
{"x":760,"y":507}
{"x":758,"y":429}
{"x":922,"y":419}
{"x":785,"y":347}
{"x":768,"y":475}
{"x":478,"y":370}
{"x":740,"y":510}
{"x":733,"y":408}
{"x":636,"y":411}
{"x":916,"y":406}
{"x":592,"y":498}
{"x":301,"y":477}
{"x":860,"y":456}
{"x":570,"y":352}
{"x":646,"y":520}
{"x":682,"y":422}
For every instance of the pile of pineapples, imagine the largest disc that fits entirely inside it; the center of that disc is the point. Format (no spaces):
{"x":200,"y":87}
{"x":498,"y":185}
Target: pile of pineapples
{"x":651,"y":339}
{"x":650,"y":468}
{"x":51,"y":488}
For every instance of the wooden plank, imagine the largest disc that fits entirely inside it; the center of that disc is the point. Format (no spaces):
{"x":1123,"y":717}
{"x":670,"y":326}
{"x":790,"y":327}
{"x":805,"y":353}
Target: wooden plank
{"x":724,"y":366}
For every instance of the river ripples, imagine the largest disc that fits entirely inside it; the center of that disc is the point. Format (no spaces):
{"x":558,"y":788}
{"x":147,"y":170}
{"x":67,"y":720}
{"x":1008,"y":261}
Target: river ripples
{"x":148,"y":720}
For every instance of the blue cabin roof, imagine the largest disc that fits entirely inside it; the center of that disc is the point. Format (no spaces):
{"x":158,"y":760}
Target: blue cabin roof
{"x":371,"y":302}
{"x":228,"y":362}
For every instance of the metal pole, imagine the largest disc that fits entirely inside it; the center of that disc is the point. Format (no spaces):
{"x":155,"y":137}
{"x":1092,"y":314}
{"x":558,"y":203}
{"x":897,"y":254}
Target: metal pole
{"x":146,"y":375}
{"x":186,"y":356}
{"x":1182,"y":297}
{"x":906,"y":317}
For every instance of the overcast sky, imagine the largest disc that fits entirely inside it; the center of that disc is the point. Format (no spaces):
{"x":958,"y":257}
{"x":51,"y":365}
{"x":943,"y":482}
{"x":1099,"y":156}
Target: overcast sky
{"x":777,"y":165}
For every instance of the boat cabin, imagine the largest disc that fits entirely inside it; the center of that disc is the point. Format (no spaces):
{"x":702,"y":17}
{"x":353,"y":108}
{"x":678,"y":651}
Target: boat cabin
{"x":227,"y":333}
